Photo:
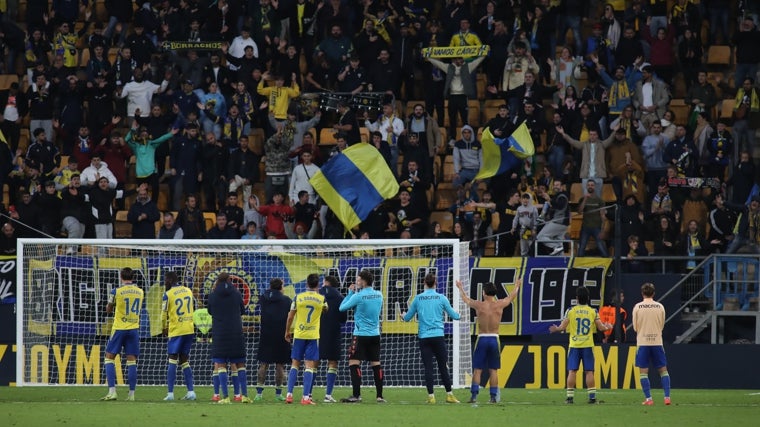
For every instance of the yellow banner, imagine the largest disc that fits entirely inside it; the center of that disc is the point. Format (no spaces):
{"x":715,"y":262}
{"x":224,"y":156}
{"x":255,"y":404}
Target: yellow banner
{"x":456,"y":51}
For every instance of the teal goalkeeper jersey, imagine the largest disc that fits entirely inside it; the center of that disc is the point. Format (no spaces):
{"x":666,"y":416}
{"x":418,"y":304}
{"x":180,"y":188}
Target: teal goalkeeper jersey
{"x":429,"y":307}
{"x":368,"y":303}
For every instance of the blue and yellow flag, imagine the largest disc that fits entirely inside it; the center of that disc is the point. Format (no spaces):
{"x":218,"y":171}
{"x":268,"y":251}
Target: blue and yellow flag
{"x":353,"y":182}
{"x":503,"y":154}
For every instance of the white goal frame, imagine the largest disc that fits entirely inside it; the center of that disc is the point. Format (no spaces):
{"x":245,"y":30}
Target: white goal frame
{"x":460,"y":330}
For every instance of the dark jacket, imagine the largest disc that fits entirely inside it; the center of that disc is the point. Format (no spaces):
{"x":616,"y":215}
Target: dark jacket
{"x":225,"y":305}
{"x":275,"y":307}
{"x":332,"y":318}
{"x":192,"y":223}
{"x":245,"y":164}
{"x":143,"y":229}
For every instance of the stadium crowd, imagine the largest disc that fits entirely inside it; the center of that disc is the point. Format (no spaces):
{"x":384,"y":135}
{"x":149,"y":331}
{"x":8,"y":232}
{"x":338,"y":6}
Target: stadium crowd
{"x":190,"y":107}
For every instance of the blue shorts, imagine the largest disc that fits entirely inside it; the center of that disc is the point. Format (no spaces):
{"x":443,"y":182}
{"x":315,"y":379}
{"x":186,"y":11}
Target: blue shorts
{"x":487,"y":353}
{"x":180,"y":344}
{"x":575,"y":355}
{"x":654,"y":354}
{"x":305,"y":349}
{"x":127,"y":338}
{"x":225,"y":361}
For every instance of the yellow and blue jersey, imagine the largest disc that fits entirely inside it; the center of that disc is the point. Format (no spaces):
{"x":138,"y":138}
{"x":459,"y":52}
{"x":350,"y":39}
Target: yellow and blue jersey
{"x":127,"y":300}
{"x":581,"y":326}
{"x":179,"y":305}
{"x":308,"y":307}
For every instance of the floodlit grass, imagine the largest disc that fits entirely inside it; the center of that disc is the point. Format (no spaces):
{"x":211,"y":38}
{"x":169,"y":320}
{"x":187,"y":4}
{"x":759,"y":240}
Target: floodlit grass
{"x":79,"y":406}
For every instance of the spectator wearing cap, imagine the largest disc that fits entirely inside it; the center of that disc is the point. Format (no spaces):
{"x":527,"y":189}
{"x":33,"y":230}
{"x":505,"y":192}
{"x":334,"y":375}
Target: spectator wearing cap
{"x":348,"y":124}
{"x":49,"y":209}
{"x":621,"y":86}
{"x":15,"y":107}
{"x":239,"y":43}
{"x":458,"y":88}
{"x":44,"y":154}
{"x":593,"y":165}
{"x":144,"y":148}
{"x":279,"y":95}
{"x":354,"y":77}
{"x":41,"y":96}
{"x":186,"y":100}
{"x":90,"y":175}
{"x":143,"y":215}
{"x":186,"y":168}
{"x":651,"y":97}
{"x":468,"y":157}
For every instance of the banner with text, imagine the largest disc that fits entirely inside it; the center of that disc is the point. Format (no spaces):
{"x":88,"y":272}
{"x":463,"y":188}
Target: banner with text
{"x":456,"y":51}
{"x":7,"y":279}
{"x":69,"y":295}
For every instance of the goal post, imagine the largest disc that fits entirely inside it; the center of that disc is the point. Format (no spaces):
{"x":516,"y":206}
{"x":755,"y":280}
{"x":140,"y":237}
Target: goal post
{"x":63,"y":288}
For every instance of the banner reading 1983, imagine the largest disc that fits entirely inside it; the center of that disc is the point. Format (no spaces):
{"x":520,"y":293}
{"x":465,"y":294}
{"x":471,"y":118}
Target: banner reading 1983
{"x":80,"y":285}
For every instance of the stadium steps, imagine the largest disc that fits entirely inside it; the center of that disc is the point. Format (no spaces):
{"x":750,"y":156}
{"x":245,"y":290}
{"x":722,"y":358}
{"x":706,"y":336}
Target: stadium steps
{"x":697,"y":326}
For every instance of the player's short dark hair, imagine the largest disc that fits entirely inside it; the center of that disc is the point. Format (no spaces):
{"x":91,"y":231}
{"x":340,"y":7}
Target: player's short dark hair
{"x":430,"y":280}
{"x":367,"y":276}
{"x":647,"y":290}
{"x":302,"y":193}
{"x":582,"y":295}
{"x":332,"y":281}
{"x":276,"y":284}
{"x":312,"y":281}
{"x":171,"y":276}
{"x":126,"y":273}
{"x":489,"y":288}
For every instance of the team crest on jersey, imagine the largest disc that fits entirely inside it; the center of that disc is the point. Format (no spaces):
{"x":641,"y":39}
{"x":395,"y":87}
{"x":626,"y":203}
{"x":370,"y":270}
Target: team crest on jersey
{"x":241,"y":279}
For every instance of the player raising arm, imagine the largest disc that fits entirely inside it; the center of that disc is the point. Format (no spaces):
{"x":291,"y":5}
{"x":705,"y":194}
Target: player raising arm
{"x":178,"y":305}
{"x":648,"y":321}
{"x":365,"y":345}
{"x":581,"y":320}
{"x":429,"y":307}
{"x":306,"y":310}
{"x":125,"y":302}
{"x":487,"y":352}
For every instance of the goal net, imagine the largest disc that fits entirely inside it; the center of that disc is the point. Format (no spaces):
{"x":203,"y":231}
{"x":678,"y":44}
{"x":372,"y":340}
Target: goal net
{"x":63,"y":328}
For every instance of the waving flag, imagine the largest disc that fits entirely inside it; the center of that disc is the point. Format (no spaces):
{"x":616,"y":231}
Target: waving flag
{"x":353,"y":182}
{"x":503,"y":154}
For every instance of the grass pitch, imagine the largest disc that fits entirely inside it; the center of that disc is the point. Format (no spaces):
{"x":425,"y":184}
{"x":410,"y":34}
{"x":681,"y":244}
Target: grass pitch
{"x":79,"y":406}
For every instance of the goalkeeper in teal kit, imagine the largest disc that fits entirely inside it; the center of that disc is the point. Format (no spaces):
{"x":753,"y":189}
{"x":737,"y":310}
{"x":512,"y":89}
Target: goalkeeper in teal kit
{"x":368,"y":304}
{"x":429,"y":307}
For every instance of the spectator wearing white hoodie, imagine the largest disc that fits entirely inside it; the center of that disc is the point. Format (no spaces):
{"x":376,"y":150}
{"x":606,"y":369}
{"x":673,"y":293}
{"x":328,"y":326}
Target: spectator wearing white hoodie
{"x":97,"y":169}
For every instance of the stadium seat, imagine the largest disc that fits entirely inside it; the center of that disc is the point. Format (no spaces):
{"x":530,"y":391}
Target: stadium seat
{"x":576,"y":192}
{"x":576,"y":220}
{"x":445,"y":218}
{"x":6,"y":80}
{"x":608,"y":193}
{"x":447,"y":174}
{"x":719,"y":55}
{"x":444,"y":198}
{"x":257,"y":139}
{"x":681,"y":110}
{"x":473,"y":113}
{"x":727,"y":108}
{"x":495,"y":221}
{"x":327,"y":136}
{"x":122,"y":228}
{"x":209,"y":218}
{"x":489,"y":113}
{"x":84,"y":58}
{"x":364,"y":132}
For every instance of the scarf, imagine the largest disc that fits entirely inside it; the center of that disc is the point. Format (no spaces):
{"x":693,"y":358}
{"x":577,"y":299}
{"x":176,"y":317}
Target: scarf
{"x":620,"y":90}
{"x":754,"y":104}
{"x":632,"y":182}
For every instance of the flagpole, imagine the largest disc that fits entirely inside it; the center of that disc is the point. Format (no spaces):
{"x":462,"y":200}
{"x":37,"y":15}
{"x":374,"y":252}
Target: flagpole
{"x":618,"y":272}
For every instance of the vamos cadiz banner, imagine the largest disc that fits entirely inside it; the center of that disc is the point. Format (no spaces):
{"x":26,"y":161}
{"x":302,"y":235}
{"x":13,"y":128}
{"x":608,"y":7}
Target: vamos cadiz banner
{"x":69,"y":294}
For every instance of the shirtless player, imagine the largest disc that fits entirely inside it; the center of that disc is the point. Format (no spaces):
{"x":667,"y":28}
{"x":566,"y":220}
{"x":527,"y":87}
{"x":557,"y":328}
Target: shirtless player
{"x":487,"y":351}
